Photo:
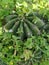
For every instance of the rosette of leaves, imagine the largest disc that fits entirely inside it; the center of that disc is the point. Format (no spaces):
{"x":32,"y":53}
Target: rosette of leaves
{"x":25,"y":25}
{"x":36,"y":58}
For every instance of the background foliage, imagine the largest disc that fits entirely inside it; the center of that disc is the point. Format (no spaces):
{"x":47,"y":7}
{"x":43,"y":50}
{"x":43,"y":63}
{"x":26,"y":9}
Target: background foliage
{"x":34,"y":51}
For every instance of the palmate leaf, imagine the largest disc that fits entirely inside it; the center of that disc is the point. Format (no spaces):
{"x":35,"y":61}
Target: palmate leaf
{"x":35,"y":58}
{"x":30,"y":24}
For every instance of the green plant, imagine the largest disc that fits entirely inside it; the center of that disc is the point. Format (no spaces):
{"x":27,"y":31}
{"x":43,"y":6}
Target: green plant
{"x":2,"y":63}
{"x":25,"y":25}
{"x":21,"y":20}
{"x":13,"y":51}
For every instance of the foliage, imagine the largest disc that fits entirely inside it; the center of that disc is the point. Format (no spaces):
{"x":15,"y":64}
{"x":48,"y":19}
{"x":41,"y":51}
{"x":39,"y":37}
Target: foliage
{"x":34,"y":50}
{"x":12,"y":50}
{"x":26,"y":25}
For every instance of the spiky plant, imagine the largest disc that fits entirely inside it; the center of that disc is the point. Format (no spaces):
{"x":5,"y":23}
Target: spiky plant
{"x":24,"y":26}
{"x":36,"y":57}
